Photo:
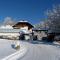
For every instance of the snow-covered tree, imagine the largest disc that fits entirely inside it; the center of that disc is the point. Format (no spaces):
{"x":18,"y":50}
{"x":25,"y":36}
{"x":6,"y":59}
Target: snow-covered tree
{"x":9,"y":21}
{"x":42,"y":24}
{"x":54,"y":18}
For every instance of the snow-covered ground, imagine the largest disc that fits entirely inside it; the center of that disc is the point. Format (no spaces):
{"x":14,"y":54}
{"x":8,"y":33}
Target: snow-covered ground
{"x":9,"y":53}
{"x":40,"y":51}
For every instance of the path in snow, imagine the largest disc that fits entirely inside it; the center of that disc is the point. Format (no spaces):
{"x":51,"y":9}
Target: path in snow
{"x":42,"y":52}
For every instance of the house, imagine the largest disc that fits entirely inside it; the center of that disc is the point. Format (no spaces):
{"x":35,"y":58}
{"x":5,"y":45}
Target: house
{"x":25,"y":29}
{"x":23,"y":25}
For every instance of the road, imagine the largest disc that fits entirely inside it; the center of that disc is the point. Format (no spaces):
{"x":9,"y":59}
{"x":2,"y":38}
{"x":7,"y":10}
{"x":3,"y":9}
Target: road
{"x":41,"y":52}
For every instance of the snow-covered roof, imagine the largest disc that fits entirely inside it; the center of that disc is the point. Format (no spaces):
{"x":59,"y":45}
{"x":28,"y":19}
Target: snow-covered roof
{"x":44,"y":29}
{"x":23,"y":21}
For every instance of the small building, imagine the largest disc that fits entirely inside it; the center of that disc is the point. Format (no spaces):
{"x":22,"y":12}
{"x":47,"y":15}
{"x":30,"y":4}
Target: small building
{"x":40,"y":33}
{"x":54,"y":35}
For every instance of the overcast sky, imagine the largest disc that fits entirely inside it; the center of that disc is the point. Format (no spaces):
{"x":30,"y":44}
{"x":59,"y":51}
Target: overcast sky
{"x":31,"y":10}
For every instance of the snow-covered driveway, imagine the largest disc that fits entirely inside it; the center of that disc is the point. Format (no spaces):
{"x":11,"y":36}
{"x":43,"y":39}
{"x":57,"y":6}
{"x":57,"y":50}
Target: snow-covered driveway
{"x":42,"y":52}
